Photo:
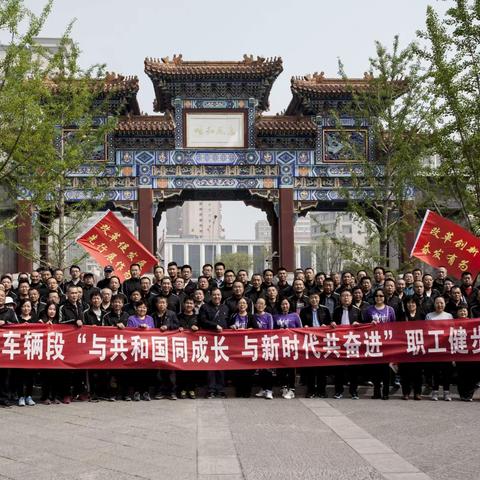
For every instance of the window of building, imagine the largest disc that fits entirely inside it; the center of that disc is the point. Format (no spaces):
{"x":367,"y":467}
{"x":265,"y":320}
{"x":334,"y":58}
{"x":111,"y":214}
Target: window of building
{"x":258,"y":258}
{"x":242,"y":249}
{"x":347,"y":229}
{"x":305,"y":257}
{"x":210,"y":254}
{"x":178,"y":254}
{"x":194,"y":259}
{"x":226,"y":249}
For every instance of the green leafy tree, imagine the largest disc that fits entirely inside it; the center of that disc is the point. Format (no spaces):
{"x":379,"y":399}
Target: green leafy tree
{"x":53,"y":121}
{"x":393,"y":103}
{"x":451,"y":51}
{"x":237,"y":261}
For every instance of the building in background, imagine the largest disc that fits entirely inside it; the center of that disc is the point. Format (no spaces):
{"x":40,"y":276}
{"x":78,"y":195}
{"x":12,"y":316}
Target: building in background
{"x":196,"y":220}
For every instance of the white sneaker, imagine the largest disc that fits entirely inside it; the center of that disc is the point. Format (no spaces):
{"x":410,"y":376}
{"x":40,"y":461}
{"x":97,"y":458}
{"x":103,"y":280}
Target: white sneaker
{"x":284,"y":391}
{"x":289,"y":395}
{"x":21,"y":402}
{"x":435,"y":395}
{"x":446,"y":396}
{"x":29,"y":401}
{"x":268,"y":394}
{"x":261,"y":393}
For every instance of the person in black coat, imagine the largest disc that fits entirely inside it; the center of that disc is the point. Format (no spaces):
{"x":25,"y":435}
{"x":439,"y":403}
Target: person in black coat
{"x":328,"y":297}
{"x":214,"y":316}
{"x":299,"y":299}
{"x":315,"y":315}
{"x":165,"y":319}
{"x":346,"y":314}
{"x":242,"y":319}
{"x":187,"y":320}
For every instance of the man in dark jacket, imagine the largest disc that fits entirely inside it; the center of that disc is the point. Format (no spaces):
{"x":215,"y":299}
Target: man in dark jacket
{"x":214,"y":316}
{"x":166,"y":291}
{"x":328,"y":297}
{"x":315,"y":315}
{"x":346,"y":314}
{"x":133,"y":283}
{"x":299,"y":299}
{"x":238,"y":293}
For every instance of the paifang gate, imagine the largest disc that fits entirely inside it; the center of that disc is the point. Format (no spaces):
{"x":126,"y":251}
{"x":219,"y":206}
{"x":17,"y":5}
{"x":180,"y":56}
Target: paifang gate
{"x":212,"y":139}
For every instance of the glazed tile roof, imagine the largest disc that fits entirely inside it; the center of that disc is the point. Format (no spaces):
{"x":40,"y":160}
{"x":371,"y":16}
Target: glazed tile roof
{"x":285,"y":124}
{"x":145,"y":124}
{"x":121,"y":84}
{"x":173,"y":78}
{"x":248,"y":67}
{"x":318,"y":84}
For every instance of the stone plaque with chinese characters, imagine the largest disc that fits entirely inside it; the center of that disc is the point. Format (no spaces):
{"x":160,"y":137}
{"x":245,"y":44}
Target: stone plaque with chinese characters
{"x":215,"y":130}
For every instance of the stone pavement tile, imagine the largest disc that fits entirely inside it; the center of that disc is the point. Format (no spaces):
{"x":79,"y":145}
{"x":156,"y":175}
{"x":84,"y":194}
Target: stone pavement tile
{"x":368,"y":445}
{"x":216,"y":447}
{"x":221,"y":477}
{"x":216,"y":465}
{"x":205,"y":434}
{"x":407,"y":476}
{"x":326,"y":412}
{"x":345,"y":428}
{"x":389,"y":463}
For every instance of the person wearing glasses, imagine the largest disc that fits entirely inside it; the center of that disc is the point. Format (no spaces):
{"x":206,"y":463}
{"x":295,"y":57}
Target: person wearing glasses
{"x":380,"y":313}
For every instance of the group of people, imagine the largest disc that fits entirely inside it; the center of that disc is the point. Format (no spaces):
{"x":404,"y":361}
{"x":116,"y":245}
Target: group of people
{"x":223,"y":299}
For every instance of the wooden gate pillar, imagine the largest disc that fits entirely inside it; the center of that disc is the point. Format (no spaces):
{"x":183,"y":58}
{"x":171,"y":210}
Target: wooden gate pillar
{"x":285,"y":229}
{"x":145,"y":218}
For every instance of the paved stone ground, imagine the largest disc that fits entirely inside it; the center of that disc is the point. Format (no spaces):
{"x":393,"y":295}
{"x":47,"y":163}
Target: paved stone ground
{"x":251,"y":439}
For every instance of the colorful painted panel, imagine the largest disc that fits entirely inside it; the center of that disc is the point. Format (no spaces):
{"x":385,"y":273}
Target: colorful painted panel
{"x":345,"y":145}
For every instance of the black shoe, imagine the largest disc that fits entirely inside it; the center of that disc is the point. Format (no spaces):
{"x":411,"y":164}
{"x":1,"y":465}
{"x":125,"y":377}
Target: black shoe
{"x":376,"y":396}
{"x":385,"y":397}
{"x":222,"y":395}
{"x":211,"y":395}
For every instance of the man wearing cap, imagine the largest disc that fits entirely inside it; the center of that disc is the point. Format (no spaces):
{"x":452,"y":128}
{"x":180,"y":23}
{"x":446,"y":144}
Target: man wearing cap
{"x":107,"y":273}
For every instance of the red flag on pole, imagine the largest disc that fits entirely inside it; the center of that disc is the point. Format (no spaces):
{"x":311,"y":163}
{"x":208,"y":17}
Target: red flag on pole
{"x":110,"y":242}
{"x":443,"y":243}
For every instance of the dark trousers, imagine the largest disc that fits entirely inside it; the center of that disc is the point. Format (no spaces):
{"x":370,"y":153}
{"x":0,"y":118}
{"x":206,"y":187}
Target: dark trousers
{"x":266,"y":379}
{"x":343,"y":375}
{"x":467,"y":378}
{"x":23,"y":381}
{"x":141,"y":380}
{"x":215,"y":381}
{"x":442,"y":374}
{"x":186,"y":380}
{"x":316,"y":379}
{"x":287,"y":377}
{"x":381,"y":379}
{"x":411,"y":377}
{"x":242,"y":380}
{"x":50,"y":384}
{"x":167,"y":382}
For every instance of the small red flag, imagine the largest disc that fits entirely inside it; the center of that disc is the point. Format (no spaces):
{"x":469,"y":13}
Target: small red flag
{"x":443,"y":243}
{"x":110,"y":242}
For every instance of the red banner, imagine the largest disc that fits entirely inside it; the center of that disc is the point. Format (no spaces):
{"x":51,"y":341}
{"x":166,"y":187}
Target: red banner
{"x":110,"y":242}
{"x":63,"y":346}
{"x":442,"y":243}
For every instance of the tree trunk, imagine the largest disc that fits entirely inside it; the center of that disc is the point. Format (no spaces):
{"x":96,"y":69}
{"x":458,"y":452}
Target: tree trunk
{"x":60,"y":260}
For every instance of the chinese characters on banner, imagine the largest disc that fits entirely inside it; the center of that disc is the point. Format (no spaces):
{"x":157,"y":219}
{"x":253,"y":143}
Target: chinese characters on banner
{"x":63,"y":346}
{"x":442,"y":243}
{"x":109,"y":242}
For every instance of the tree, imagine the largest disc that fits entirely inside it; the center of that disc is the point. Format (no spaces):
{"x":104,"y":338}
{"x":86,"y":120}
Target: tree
{"x":452,"y":52}
{"x":236,"y":261}
{"x":392,"y":105}
{"x":53,"y":118}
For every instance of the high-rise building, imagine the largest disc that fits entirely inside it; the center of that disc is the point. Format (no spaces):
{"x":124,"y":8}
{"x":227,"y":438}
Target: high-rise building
{"x":196,"y":220}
